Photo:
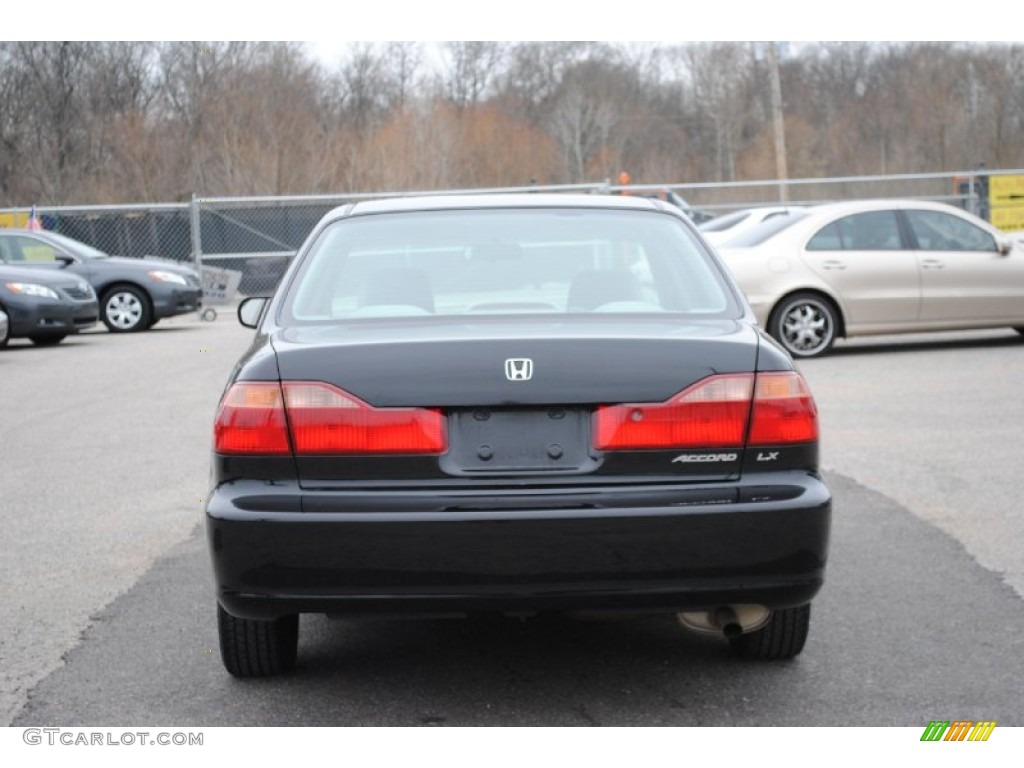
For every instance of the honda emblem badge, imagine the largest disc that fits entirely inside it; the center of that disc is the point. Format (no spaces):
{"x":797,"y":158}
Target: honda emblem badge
{"x":519,"y":369}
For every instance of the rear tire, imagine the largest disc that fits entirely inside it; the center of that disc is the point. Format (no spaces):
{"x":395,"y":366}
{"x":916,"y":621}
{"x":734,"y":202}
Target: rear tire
{"x":805,"y":324}
{"x":5,"y":335}
{"x":253,"y":648}
{"x":783,"y":637}
{"x":47,"y":341}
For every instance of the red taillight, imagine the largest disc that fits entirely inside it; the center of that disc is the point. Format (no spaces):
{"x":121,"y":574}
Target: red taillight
{"x":325,"y":419}
{"x":784,"y":411}
{"x":710,"y":414}
{"x":321,"y":419}
{"x":251,"y":420}
{"x":714,"y":413}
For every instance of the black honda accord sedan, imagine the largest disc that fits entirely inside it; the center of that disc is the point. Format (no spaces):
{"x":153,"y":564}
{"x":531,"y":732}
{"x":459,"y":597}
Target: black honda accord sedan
{"x":515,"y":404}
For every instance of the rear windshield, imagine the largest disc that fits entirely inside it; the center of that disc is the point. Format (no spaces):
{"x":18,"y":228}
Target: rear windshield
{"x":722,"y":223}
{"x":767,"y":228}
{"x":518,"y":261}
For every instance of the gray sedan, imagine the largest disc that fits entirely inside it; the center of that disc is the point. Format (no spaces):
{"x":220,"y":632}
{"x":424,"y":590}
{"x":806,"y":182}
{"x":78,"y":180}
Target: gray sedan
{"x":43,"y":305}
{"x":133,"y":293}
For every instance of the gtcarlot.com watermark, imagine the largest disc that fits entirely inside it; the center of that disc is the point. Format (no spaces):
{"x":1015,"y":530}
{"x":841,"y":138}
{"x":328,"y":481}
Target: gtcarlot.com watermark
{"x":73,"y":737}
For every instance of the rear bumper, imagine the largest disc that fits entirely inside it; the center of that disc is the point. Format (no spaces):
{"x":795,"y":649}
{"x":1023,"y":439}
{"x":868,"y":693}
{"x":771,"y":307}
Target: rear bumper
{"x":272,"y":555}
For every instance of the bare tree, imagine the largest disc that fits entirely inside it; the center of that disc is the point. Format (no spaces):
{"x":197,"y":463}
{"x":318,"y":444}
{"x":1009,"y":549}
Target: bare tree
{"x":592,"y":116}
{"x":535,"y":72}
{"x":721,"y":81}
{"x":403,"y":61}
{"x":56,"y":130}
{"x":133,"y":121}
{"x":475,"y":67}
{"x":14,"y":103}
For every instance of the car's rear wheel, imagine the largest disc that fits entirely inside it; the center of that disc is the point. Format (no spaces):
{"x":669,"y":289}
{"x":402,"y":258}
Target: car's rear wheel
{"x":5,"y":334}
{"x":125,"y":309}
{"x":47,"y":340}
{"x":253,"y":648}
{"x":805,"y":324}
{"x":783,"y":637}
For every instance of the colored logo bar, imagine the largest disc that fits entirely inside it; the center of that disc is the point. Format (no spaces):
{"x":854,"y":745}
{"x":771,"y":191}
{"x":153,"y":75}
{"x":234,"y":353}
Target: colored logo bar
{"x":958,"y":730}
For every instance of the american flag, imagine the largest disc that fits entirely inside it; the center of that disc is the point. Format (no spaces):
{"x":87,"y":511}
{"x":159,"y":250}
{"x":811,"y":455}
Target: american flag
{"x":33,"y":221}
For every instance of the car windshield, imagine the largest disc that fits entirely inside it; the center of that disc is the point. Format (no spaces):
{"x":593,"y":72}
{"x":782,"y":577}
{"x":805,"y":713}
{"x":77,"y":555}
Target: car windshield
{"x":766,"y":229}
{"x":515,"y":261}
{"x":77,"y":247}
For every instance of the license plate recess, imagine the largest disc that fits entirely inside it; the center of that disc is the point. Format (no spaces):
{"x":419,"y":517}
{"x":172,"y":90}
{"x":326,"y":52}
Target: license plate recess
{"x":503,"y":440}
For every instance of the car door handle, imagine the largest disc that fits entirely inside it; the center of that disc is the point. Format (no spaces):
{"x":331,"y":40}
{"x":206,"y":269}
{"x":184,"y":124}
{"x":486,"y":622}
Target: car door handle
{"x":932,"y":264}
{"x":832,"y":264}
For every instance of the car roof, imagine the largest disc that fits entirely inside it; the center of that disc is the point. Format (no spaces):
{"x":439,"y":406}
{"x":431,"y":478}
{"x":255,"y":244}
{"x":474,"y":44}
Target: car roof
{"x":816,"y":215}
{"x":522,"y":200}
{"x":44,"y":234}
{"x":854,"y":206}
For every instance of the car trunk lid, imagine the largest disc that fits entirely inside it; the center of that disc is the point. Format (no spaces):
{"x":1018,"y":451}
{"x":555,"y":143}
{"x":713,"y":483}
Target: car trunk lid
{"x":515,"y":364}
{"x":517,"y":399}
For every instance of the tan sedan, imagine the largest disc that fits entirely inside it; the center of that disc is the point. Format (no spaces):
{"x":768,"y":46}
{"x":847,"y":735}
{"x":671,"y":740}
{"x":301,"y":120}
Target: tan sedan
{"x":877,"y":266}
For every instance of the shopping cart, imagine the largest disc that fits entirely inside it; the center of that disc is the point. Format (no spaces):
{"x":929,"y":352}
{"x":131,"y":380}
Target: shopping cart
{"x":220,"y":287}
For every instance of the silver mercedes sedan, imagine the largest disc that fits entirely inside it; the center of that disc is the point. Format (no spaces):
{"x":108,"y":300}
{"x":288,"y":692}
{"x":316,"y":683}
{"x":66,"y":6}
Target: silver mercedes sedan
{"x":874,"y":267}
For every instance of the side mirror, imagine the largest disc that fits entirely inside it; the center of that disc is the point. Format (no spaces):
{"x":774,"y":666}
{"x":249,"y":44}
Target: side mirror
{"x":1004,"y":246}
{"x":251,"y":309}
{"x":64,"y":259}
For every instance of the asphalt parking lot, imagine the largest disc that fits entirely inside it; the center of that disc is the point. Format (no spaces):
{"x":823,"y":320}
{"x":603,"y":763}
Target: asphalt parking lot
{"x":106,"y":596}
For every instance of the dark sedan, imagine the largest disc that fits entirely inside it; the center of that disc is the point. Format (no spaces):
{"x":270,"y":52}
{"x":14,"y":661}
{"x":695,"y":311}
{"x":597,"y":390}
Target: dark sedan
{"x":44,"y":306}
{"x":134,"y":293}
{"x":513,"y":404}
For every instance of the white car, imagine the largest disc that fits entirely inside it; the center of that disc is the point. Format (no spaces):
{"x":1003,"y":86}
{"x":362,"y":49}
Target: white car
{"x":877,"y":266}
{"x":721,"y":229}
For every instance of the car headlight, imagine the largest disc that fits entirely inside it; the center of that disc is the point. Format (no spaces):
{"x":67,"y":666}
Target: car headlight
{"x":32,"y":289}
{"x":167,"y":277}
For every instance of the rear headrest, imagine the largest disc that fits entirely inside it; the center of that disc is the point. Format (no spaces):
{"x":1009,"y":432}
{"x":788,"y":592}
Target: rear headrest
{"x":397,"y":285}
{"x":592,"y":288}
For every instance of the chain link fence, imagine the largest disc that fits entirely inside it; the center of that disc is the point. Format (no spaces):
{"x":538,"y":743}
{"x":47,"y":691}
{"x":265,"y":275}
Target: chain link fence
{"x":242,"y":246}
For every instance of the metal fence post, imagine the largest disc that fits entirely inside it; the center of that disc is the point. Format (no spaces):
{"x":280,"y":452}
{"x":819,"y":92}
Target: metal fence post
{"x":197,"y":238}
{"x":205,"y":313}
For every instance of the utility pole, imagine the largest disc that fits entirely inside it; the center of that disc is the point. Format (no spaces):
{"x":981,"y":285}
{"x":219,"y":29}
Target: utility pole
{"x":779,"y":123}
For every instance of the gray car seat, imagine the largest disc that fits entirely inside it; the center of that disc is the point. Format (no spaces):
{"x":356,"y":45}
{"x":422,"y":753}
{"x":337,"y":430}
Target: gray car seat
{"x":593,"y":288}
{"x":397,"y":286}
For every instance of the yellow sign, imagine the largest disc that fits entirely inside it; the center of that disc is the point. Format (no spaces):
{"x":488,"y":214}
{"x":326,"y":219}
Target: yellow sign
{"x":1008,"y":218}
{"x":1006,"y":190}
{"x":13,"y":220}
{"x":1006,"y":202}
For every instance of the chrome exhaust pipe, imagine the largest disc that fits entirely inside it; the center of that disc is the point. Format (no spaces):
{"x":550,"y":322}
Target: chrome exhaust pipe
{"x":726,"y":620}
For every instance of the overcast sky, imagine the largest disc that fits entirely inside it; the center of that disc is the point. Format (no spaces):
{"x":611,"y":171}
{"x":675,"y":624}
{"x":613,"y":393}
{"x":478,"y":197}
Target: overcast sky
{"x":513,"y":20}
